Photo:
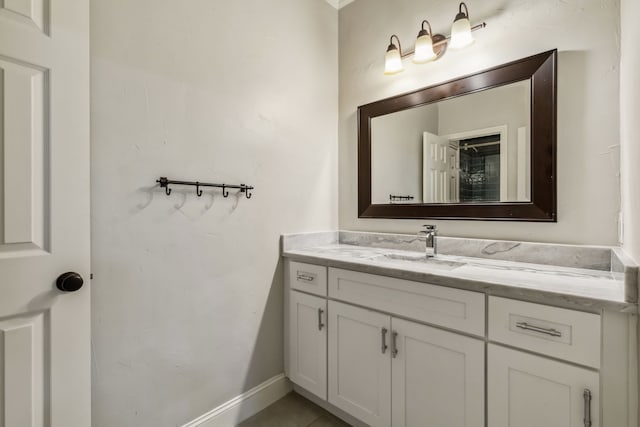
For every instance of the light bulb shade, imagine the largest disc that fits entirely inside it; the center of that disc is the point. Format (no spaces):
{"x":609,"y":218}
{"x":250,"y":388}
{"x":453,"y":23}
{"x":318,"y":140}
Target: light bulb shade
{"x":392,"y":61}
{"x":424,"y":49}
{"x":461,"y":32}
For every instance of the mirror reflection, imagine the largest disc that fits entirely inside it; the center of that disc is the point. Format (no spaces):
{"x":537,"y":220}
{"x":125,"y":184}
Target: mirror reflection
{"x":469,"y":149}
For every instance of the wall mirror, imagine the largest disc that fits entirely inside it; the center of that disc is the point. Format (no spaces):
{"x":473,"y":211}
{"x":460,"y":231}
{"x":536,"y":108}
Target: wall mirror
{"x":478,"y":147}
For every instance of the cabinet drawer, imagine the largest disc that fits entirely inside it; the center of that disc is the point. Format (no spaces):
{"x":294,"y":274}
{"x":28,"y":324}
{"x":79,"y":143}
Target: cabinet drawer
{"x":557,"y":332}
{"x":438,"y":305}
{"x":308,"y":277}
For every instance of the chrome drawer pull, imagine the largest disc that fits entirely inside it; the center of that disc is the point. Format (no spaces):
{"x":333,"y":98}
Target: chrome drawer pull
{"x":394,"y":344}
{"x":384,"y":340}
{"x":587,"y":408}
{"x":320,"y":324}
{"x":305,"y":277}
{"x":528,"y":327}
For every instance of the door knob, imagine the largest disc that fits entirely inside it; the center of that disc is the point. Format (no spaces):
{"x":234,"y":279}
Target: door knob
{"x":69,"y":282}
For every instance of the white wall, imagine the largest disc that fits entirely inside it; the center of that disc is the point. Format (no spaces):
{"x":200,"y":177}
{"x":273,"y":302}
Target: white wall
{"x":630,"y":129}
{"x":507,"y":105}
{"x":396,"y":152}
{"x":187,"y":295}
{"x":629,"y":126}
{"x":586,"y":33}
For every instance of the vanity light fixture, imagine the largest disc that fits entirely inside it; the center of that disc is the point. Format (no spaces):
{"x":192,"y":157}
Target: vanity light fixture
{"x":393,"y":58}
{"x":429,"y":46}
{"x":461,"y":29}
{"x":424,"y":45}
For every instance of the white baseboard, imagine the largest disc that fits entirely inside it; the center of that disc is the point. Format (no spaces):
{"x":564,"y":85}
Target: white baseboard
{"x":241,"y":407}
{"x":339,"y":4}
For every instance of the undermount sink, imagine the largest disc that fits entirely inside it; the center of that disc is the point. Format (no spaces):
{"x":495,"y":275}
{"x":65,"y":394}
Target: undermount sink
{"x":421,"y":258}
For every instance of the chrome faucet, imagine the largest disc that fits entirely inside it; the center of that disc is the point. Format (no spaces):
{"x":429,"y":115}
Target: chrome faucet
{"x":429,"y":232}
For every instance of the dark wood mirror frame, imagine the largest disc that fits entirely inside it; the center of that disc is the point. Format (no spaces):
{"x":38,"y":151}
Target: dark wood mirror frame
{"x":542,"y":70}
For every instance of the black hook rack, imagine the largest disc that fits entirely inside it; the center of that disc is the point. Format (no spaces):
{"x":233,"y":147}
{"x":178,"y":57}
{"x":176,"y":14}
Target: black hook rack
{"x":393,"y":198}
{"x":166,"y":182}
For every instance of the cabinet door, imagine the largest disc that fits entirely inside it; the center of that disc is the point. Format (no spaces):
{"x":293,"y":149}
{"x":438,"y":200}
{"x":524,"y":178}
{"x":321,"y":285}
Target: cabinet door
{"x":308,"y":342}
{"x":531,"y":391}
{"x":359,"y":363}
{"x":437,"y":377}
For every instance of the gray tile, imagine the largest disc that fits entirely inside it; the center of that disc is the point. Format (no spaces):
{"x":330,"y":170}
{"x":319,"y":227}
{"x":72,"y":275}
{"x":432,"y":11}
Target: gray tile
{"x":329,"y":420}
{"x":291,"y":411}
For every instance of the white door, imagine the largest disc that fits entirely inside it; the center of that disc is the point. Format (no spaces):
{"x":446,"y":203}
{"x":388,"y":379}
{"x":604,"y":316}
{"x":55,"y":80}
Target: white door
{"x":308,"y":342}
{"x":44,"y":213}
{"x":531,"y":391}
{"x":524,"y":165}
{"x":439,"y":175}
{"x":437,"y":377}
{"x":359,"y":363}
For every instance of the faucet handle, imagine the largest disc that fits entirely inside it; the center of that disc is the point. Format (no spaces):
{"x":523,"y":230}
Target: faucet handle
{"x":430,"y":227}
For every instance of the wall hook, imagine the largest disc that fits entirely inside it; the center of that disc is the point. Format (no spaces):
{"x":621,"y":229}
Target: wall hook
{"x":246,"y":190}
{"x":165,"y":182}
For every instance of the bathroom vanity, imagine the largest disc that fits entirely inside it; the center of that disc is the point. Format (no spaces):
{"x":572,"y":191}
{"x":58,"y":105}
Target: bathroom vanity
{"x":486,"y":333}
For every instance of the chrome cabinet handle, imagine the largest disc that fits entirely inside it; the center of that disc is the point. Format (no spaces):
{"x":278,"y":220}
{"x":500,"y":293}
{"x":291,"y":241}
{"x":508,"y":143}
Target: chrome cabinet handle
{"x":587,"y":408}
{"x":320,"y":324}
{"x":394,"y":344}
{"x":528,"y":327}
{"x":305,"y":277}
{"x":384,"y":340}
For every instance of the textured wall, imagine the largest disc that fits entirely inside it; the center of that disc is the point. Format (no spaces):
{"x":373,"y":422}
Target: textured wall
{"x":396,"y":152}
{"x":630,"y":129}
{"x":588,"y":104}
{"x":187,"y":296}
{"x":506,"y":105}
{"x":629,"y":126}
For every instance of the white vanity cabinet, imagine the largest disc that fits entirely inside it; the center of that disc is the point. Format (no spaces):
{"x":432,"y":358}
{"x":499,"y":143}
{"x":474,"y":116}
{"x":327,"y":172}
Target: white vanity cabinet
{"x":398,"y":353}
{"x":381,"y":368}
{"x":437,"y":377}
{"x":360,"y":363}
{"x":525,"y":390}
{"x":308,"y":342}
{"x":387,"y":371}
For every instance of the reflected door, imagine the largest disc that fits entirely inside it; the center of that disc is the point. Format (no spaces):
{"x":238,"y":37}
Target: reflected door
{"x":44,"y":213}
{"x":440,"y":176}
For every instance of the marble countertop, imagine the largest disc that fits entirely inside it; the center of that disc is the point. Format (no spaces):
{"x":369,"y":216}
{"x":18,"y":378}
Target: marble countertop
{"x":572,"y":287}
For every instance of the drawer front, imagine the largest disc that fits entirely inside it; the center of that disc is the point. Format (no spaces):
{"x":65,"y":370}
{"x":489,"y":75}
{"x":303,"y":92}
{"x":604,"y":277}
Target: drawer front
{"x":438,"y":305}
{"x":308,"y":277}
{"x":566,"y":334}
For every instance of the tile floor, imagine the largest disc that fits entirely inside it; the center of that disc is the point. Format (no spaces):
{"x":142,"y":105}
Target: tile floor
{"x":293,"y":410}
